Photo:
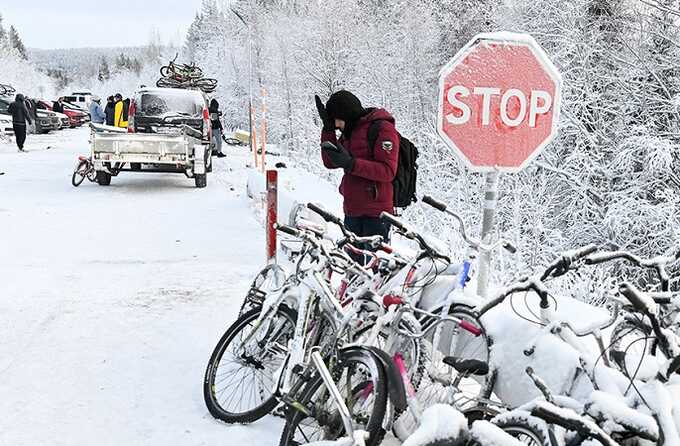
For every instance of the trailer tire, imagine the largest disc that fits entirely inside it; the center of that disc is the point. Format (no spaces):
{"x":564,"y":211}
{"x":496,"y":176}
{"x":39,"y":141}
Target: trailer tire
{"x":201,"y":180}
{"x":136,"y":166}
{"x":103,"y":178}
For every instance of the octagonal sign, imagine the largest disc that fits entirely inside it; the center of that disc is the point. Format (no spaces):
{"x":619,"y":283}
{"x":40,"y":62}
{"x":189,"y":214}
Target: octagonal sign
{"x":499,"y":101}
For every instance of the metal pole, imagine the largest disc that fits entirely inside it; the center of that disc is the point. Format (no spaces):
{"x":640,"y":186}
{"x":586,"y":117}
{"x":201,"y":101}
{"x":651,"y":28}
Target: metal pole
{"x":327,"y":378}
{"x":272,"y":209}
{"x":489,"y":212}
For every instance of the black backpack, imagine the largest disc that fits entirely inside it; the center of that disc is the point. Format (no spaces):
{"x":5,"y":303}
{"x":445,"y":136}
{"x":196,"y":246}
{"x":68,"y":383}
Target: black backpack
{"x":404,"y":182}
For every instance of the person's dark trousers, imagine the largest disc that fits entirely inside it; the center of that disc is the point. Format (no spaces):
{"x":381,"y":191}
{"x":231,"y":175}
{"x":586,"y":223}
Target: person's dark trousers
{"x":20,"y":134}
{"x":367,"y":226}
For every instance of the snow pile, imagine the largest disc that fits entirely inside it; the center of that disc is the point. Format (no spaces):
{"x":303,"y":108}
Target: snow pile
{"x":439,"y":422}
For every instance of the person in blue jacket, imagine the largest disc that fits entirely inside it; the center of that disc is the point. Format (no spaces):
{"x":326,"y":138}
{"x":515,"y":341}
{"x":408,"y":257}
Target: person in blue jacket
{"x":96,"y":113}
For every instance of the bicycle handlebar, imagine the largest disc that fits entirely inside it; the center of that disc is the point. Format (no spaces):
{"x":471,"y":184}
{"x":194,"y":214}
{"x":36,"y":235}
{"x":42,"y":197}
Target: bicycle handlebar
{"x":633,"y":295}
{"x":287,"y":230}
{"x":413,"y":235}
{"x":560,"y":266}
{"x":391,"y":219}
{"x":535,"y":283}
{"x":657,"y":263}
{"x":434,"y":203}
{"x":461,"y":228}
{"x":325,"y":214}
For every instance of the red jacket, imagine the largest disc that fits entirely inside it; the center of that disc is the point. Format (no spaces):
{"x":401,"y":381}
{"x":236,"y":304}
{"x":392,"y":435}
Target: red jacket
{"x":367,"y":189}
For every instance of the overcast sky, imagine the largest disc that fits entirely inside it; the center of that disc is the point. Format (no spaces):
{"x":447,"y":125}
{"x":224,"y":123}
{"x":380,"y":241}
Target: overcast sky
{"x":95,"y":23}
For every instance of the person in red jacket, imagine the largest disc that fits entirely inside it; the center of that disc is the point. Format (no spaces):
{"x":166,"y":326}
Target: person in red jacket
{"x":366,"y":186}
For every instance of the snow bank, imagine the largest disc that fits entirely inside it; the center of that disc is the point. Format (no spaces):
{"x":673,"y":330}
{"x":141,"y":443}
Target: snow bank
{"x":439,"y":422}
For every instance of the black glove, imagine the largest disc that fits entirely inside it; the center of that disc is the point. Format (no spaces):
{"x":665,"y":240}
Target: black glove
{"x":328,"y":123}
{"x":338,"y":155}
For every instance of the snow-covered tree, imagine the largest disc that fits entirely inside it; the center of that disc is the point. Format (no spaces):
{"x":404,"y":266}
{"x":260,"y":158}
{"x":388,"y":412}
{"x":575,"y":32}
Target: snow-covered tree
{"x":16,"y":43}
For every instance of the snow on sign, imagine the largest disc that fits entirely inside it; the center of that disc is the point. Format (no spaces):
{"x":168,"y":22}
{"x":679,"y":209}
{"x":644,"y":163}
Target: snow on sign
{"x":499,"y":100}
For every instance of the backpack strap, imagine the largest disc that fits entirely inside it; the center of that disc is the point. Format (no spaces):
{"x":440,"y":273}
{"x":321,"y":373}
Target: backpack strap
{"x":373,"y":131}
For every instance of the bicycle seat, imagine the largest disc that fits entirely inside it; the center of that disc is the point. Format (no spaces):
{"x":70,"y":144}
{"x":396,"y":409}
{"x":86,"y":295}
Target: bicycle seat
{"x":467,"y":366}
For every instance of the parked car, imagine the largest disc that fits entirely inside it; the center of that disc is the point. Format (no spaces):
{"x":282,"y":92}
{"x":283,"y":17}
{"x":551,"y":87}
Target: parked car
{"x":45,"y":121}
{"x":64,"y":121}
{"x":6,"y":124}
{"x":80,"y":99}
{"x":84,"y":114}
{"x":75,"y":118}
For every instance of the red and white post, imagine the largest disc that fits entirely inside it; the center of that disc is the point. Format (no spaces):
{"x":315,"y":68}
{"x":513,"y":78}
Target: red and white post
{"x":272,"y":211}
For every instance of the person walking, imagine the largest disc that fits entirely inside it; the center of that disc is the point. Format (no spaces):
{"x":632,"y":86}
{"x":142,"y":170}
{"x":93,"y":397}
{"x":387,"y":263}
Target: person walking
{"x":20,"y":116}
{"x":120,"y":114}
{"x":366,"y":185}
{"x":110,"y":111}
{"x":58,"y":106}
{"x":217,"y":128}
{"x":97,"y":115}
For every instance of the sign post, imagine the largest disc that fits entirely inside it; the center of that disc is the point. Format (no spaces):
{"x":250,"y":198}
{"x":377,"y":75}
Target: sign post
{"x":499,"y":101}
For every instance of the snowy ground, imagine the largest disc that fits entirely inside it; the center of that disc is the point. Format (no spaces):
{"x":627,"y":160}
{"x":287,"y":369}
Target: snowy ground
{"x":112,"y":298}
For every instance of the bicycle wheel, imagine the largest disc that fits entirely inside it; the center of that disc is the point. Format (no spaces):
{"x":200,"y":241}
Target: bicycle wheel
{"x":91,"y":174}
{"x":361,"y":380}
{"x":441,"y":383}
{"x":79,"y":174}
{"x":239,"y":380}
{"x":631,"y":341}
{"x":412,"y":349}
{"x":232,"y":141}
{"x":526,"y":428}
{"x":270,"y":278}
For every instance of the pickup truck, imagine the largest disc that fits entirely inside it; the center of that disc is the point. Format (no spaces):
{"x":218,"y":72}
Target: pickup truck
{"x":168,"y":131}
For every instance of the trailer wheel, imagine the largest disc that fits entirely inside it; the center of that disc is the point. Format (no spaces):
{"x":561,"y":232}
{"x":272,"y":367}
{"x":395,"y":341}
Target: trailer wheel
{"x":103,"y":178}
{"x":136,"y":166}
{"x":201,"y":179}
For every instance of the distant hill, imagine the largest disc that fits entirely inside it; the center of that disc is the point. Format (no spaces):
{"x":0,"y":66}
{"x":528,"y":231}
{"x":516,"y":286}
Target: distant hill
{"x":81,"y":60}
{"x":80,"y":67}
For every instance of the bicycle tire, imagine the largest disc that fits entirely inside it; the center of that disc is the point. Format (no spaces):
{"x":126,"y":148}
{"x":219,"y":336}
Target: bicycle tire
{"x":77,"y":178}
{"x":623,"y":335}
{"x":309,"y":396}
{"x":165,"y":71}
{"x":232,"y":141}
{"x":416,"y":356}
{"x":267,"y":279}
{"x":431,"y":391}
{"x":211,"y":393}
{"x":525,"y":429}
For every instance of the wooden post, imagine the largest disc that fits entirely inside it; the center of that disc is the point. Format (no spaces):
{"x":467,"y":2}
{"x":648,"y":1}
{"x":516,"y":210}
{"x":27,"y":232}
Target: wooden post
{"x":253,"y":135}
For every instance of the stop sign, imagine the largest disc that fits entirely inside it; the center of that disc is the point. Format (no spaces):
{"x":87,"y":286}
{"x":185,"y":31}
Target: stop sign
{"x":499,"y":101}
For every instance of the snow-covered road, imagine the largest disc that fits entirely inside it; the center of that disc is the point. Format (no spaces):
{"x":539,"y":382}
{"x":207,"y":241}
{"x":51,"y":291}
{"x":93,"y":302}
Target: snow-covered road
{"x":112,"y":298}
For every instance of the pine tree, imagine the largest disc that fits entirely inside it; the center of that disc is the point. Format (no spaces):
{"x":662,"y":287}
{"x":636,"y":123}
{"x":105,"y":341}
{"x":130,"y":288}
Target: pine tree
{"x":16,"y":43}
{"x":3,"y":33}
{"x":104,"y":73}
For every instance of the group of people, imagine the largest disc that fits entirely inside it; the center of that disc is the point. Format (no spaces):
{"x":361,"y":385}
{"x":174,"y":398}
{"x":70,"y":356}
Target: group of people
{"x":115,"y":113}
